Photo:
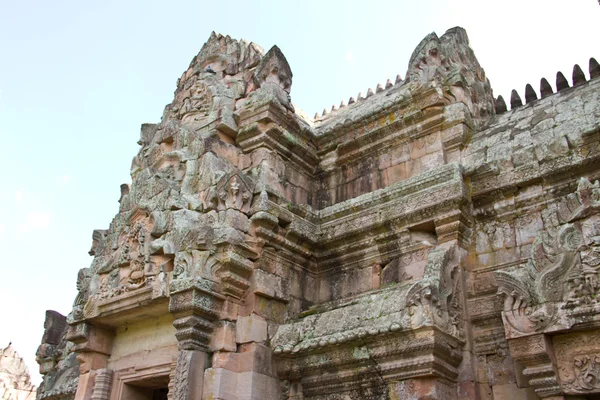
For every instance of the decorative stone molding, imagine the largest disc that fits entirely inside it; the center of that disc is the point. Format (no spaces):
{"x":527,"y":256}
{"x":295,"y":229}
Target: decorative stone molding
{"x":195,"y":306}
{"x":417,"y":321}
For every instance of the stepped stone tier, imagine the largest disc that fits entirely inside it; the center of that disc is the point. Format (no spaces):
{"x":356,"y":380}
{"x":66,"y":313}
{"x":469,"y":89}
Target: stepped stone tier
{"x":421,"y":241}
{"x":15,"y":382}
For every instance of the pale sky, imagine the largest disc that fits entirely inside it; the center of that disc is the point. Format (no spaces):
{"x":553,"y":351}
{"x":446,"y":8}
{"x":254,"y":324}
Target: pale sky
{"x":78,"y":78}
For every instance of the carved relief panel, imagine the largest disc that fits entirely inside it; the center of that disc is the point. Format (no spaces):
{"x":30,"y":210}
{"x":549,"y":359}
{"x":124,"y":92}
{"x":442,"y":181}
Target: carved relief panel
{"x":578,"y":360}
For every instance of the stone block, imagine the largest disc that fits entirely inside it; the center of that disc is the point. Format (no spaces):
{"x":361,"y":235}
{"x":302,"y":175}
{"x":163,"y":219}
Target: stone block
{"x":256,"y":357}
{"x":255,"y":386}
{"x":267,"y":308}
{"x":223,"y":337}
{"x":252,"y":328}
{"x":227,"y":360}
{"x":399,"y":155}
{"x":396,"y":173}
{"x":220,"y":384}
{"x":268,"y":285}
{"x":527,"y":228}
{"x":418,"y":148}
{"x":431,"y":161}
{"x":234,"y":219}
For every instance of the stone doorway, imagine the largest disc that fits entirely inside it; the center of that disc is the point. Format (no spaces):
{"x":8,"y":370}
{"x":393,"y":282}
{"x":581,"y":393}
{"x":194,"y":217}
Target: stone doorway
{"x":148,"y":389}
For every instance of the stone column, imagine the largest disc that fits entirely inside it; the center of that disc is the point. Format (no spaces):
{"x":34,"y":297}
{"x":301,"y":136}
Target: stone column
{"x":195,"y":306}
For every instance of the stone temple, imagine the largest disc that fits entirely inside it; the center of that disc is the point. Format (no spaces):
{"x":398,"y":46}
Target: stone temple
{"x":421,"y":241}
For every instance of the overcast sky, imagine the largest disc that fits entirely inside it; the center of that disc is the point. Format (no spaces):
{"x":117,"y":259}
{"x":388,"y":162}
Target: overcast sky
{"x":77,"y":79}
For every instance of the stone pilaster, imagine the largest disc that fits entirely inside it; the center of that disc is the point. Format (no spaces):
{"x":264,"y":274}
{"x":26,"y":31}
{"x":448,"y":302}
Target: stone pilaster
{"x":188,"y":379}
{"x":103,"y":385}
{"x":195,"y":307}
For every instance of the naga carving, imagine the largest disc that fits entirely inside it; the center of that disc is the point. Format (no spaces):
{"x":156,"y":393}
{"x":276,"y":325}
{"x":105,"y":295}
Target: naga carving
{"x":562,"y":273}
{"x":436,"y":299}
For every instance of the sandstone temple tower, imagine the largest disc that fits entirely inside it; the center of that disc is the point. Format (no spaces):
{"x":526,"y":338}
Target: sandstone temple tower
{"x":419,"y":242}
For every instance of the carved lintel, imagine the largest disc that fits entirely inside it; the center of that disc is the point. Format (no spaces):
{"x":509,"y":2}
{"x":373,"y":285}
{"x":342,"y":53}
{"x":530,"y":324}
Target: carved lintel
{"x":195,"y":306}
{"x":536,"y":353}
{"x":348,"y":367}
{"x":103,"y":384}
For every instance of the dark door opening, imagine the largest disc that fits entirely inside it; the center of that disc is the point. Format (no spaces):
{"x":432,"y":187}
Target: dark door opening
{"x":155,"y":388}
{"x":160,"y":394}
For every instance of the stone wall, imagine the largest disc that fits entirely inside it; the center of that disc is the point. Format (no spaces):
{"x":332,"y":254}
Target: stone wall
{"x":421,"y":241}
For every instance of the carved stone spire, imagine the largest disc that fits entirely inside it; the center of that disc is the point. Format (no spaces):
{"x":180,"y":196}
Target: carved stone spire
{"x":561,"y":82}
{"x":515,"y":100}
{"x":450,"y":59}
{"x":578,"y":75}
{"x":500,"y":105}
{"x":594,"y":68}
{"x":530,"y":94}
{"x":545,"y":88}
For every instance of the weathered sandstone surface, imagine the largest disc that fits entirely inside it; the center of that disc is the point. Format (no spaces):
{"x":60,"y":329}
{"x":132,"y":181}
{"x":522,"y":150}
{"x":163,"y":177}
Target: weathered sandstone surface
{"x":420,"y":242}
